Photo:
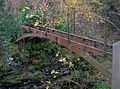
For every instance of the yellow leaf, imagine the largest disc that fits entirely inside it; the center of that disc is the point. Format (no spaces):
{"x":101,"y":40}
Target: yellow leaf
{"x":27,"y":16}
{"x":27,"y":8}
{"x":53,"y":71}
{"x":36,"y":24}
{"x":48,"y":82}
{"x":31,"y":16}
{"x":64,"y":59}
{"x":47,"y":87}
{"x":71,"y":64}
{"x":101,"y":21}
{"x":78,"y":59}
{"x":60,"y":60}
{"x":97,"y":22}
{"x":54,"y":76}
{"x":57,"y":54}
{"x":56,"y":72}
{"x":23,"y":10}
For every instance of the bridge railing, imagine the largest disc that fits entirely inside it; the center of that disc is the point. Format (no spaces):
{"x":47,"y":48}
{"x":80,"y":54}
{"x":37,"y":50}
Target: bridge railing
{"x":89,"y":44}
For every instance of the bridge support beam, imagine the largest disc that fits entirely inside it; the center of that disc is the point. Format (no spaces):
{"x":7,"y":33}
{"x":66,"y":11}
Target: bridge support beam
{"x":116,"y":66}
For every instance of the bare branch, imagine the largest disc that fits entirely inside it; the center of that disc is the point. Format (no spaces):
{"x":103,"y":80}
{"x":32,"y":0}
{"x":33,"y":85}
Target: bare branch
{"x":116,"y":13}
{"x":113,"y":24}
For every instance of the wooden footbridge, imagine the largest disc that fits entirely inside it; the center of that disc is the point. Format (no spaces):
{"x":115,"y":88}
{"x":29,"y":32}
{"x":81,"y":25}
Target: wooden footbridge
{"x":85,"y":47}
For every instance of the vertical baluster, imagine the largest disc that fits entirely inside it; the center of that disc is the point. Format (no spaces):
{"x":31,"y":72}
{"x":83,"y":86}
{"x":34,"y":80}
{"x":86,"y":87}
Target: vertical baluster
{"x":44,"y":17}
{"x":68,"y":20}
{"x":74,"y":21}
{"x":53,"y":22}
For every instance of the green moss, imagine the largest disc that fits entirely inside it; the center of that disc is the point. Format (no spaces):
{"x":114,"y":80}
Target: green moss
{"x":36,"y":75}
{"x":13,"y":79}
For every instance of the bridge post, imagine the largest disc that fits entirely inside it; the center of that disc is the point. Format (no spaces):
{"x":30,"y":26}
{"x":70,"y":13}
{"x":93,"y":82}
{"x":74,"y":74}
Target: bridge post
{"x":116,"y":66}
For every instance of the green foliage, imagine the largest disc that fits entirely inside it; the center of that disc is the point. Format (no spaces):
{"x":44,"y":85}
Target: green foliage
{"x":26,"y":17}
{"x":42,"y":52}
{"x":102,"y":85}
{"x":21,"y":18}
{"x":13,"y":79}
{"x":1,"y":3}
{"x":62,"y":25}
{"x":36,"y":75}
